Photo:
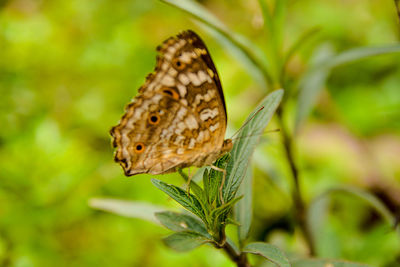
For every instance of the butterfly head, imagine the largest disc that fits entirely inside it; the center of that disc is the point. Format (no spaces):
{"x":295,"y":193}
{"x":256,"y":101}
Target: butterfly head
{"x":227,"y":146}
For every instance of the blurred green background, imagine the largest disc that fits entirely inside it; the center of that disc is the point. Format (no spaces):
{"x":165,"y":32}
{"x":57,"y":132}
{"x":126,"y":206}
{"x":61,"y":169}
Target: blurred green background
{"x":67,"y":69}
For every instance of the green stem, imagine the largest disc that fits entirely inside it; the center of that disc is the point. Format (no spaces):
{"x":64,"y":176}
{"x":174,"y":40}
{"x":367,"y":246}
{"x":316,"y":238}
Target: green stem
{"x":300,"y":207}
{"x":397,"y":4}
{"x":239,"y":258}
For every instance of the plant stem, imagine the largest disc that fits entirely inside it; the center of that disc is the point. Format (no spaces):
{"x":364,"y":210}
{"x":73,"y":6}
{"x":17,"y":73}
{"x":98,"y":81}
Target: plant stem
{"x":397,"y":4}
{"x":300,"y":208}
{"x":239,"y":258}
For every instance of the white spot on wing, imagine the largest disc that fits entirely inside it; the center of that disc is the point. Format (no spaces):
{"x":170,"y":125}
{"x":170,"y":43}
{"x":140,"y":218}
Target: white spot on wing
{"x":168,"y":56}
{"x":184,"y":102}
{"x":183,"y":79}
{"x":181,"y":42}
{"x":207,"y":97}
{"x":203,"y":77}
{"x":192,"y":143}
{"x":172,"y":72}
{"x":200,"y":137}
{"x":180,"y":128}
{"x":191,"y":123}
{"x":207,"y":113}
{"x":181,"y":113}
{"x":214,"y":127}
{"x":179,"y":139}
{"x":186,"y":57}
{"x":138,"y":113}
{"x":164,"y":133}
{"x":182,"y":90}
{"x":164,"y":66}
{"x":168,"y":80}
{"x":172,"y":49}
{"x":193,"y":79}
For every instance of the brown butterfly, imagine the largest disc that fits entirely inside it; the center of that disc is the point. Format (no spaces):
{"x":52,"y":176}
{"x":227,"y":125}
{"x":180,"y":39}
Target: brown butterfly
{"x":178,"y":119}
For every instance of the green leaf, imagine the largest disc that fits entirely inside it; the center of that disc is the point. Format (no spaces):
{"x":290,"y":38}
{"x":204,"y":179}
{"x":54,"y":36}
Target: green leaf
{"x":267,"y":16}
{"x":268,"y":251}
{"x":272,"y":42}
{"x":281,"y":7}
{"x":250,"y":57}
{"x":197,"y":190}
{"x":316,"y":77}
{"x":274,"y":21}
{"x":369,"y":198}
{"x":247,"y":141}
{"x":216,"y":177}
{"x":207,"y":186}
{"x":185,"y":241}
{"x":198,"y":11}
{"x":323,"y":263}
{"x":317,"y":214}
{"x":355,"y":54}
{"x":191,"y":203}
{"x":233,"y":245}
{"x":244,"y":208}
{"x":311,"y":83}
{"x":130,"y":209}
{"x":223,"y":210}
{"x":180,"y":222}
{"x":244,"y":49}
{"x":304,"y":38}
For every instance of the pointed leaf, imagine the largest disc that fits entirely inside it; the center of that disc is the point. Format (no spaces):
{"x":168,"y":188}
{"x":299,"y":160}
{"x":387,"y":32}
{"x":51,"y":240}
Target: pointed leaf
{"x":311,"y":84}
{"x":268,"y":251}
{"x":366,"y":196}
{"x":359,"y":53}
{"x":244,"y":208}
{"x":305,"y":37}
{"x":246,"y":52}
{"x":180,"y":222}
{"x":224,"y":209}
{"x":316,"y":77}
{"x":198,"y":11}
{"x":267,"y":16}
{"x":206,"y":185}
{"x":255,"y":63}
{"x":216,"y":177}
{"x":191,"y":203}
{"x":233,"y":245}
{"x":197,"y":190}
{"x":321,"y":262}
{"x":125,"y":208}
{"x":247,"y":141}
{"x":185,"y":241}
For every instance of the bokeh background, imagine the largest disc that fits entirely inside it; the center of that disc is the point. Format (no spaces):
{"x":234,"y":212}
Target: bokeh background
{"x":67,"y":69}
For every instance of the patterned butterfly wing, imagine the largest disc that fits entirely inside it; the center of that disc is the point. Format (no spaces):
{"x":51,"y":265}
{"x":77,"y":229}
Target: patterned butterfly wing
{"x":179,"y":117}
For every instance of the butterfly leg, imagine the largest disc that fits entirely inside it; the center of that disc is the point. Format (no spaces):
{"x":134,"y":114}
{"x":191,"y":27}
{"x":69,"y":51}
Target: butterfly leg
{"x":187,"y":177}
{"x":222,"y":182}
{"x":188,"y":182}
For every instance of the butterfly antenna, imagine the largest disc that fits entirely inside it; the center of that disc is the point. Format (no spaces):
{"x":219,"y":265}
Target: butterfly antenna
{"x":241,"y":127}
{"x":252,"y":135}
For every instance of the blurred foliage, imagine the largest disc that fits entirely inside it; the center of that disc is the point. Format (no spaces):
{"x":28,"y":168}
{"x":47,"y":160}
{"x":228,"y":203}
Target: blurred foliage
{"x":67,"y":68}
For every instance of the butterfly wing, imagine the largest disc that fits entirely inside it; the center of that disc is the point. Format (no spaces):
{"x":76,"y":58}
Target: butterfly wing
{"x":179,"y":117}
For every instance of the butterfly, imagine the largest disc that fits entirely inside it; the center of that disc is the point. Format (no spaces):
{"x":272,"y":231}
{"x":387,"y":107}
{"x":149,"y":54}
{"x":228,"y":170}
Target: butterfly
{"x":178,"y":119}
